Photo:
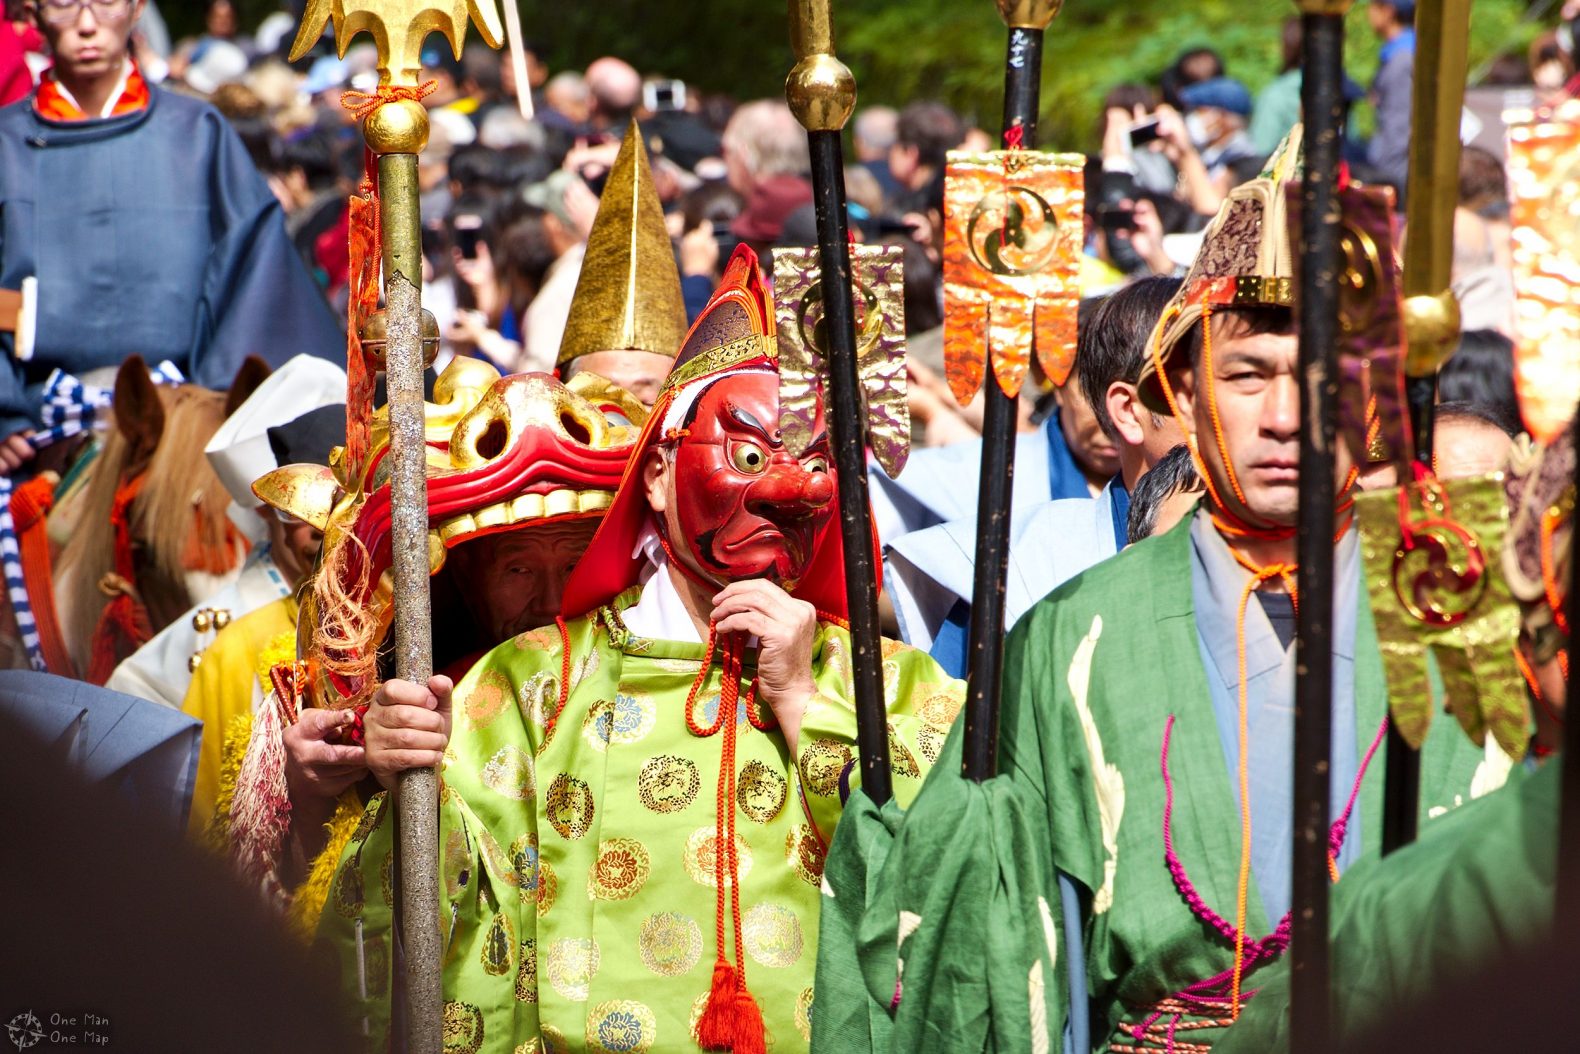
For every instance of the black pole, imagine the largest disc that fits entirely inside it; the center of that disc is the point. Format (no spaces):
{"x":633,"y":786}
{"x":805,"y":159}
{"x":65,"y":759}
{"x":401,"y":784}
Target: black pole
{"x":1322,"y":101}
{"x":847,"y":423}
{"x":985,"y":644}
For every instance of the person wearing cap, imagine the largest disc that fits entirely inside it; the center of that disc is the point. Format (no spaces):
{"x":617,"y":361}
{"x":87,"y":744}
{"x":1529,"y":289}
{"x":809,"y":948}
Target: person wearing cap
{"x":239,"y":452}
{"x":627,"y":315}
{"x":1217,"y":113}
{"x":1145,"y":697}
{"x":135,"y":223}
{"x":1388,"y":153}
{"x":929,"y":573}
{"x":636,"y":850}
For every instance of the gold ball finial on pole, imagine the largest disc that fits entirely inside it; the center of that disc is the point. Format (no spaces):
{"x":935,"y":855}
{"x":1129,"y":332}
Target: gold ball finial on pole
{"x":397,"y":127}
{"x":1028,"y":14}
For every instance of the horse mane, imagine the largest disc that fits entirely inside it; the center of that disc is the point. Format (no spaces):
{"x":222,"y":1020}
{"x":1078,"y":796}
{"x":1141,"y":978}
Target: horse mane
{"x":178,"y":520}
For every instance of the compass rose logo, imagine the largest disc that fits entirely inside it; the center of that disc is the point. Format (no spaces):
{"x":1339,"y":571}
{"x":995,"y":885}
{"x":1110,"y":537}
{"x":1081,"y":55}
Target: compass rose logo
{"x":25,"y":1029}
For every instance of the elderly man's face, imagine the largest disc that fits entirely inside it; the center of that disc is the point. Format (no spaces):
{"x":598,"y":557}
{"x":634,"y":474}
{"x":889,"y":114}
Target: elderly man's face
{"x":1464,"y":446}
{"x":87,"y":40}
{"x":512,"y":581}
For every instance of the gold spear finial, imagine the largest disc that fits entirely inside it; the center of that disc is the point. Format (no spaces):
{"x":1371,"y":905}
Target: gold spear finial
{"x":398,"y":28}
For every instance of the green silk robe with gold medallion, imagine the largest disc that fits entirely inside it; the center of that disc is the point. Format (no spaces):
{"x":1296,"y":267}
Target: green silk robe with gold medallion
{"x":578,"y":886}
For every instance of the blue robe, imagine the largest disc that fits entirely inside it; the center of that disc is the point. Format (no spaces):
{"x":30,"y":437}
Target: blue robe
{"x":151,"y":234}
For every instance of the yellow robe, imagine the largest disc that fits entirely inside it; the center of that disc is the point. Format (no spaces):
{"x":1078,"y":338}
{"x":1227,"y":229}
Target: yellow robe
{"x":232,"y":679}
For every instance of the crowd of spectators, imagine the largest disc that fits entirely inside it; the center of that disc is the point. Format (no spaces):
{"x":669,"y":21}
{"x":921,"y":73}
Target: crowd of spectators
{"x":508,"y":200}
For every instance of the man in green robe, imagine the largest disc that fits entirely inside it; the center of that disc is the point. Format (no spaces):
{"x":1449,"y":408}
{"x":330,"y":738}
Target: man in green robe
{"x":1148,"y":698}
{"x":636,"y":801}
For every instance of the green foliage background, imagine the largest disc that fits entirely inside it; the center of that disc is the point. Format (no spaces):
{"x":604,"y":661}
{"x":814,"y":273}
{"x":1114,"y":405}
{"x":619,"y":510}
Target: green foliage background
{"x":902,"y":50}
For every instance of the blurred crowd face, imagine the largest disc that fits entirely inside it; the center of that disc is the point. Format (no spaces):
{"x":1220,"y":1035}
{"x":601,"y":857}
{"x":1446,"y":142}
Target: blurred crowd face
{"x":1253,"y":386}
{"x":641,"y":373}
{"x":1093,"y":450}
{"x":87,"y":39}
{"x":293,"y":544}
{"x":220,"y":20}
{"x":1465,"y":446}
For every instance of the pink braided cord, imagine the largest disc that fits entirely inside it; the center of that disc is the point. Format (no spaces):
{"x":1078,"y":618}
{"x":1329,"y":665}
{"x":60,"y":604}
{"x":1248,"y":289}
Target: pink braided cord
{"x":1275,"y":943}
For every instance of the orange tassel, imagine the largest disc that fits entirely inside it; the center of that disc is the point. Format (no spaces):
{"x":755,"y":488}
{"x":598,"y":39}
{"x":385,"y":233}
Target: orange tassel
{"x":716,"y":1029}
{"x":122,"y":629}
{"x":750,"y":1035}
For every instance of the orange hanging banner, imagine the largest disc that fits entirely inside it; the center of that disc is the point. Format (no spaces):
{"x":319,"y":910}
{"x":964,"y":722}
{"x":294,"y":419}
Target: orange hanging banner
{"x":1012,"y":263}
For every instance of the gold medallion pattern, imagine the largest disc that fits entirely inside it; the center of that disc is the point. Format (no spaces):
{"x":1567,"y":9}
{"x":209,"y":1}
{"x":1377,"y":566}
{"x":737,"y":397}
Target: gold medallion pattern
{"x":621,"y":1026}
{"x":805,"y":853}
{"x":668,"y":783}
{"x":498,"y":945}
{"x":625,"y":719}
{"x":803,"y":1014}
{"x":554,"y":1040}
{"x":487,"y":698}
{"x":462,"y":1028}
{"x":348,"y":888}
{"x":569,"y":807}
{"x":620,"y":870}
{"x":571,"y":965}
{"x":524,"y":867}
{"x":901,"y":761}
{"x":370,"y":818}
{"x":456,"y":862}
{"x":387,"y":878}
{"x":377,"y":957}
{"x":509,"y":772}
{"x":930,"y":741}
{"x":760,"y":791}
{"x":821,"y":765}
{"x":498,"y":863}
{"x":699,"y":857}
{"x":941,"y":708}
{"x":544,"y":638}
{"x":527,"y":974}
{"x":773,"y":935}
{"x":537,"y":697}
{"x":548,"y":887}
{"x":670,"y":943}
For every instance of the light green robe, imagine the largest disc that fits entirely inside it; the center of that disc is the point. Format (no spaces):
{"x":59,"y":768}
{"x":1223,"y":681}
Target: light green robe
{"x":578,"y":890}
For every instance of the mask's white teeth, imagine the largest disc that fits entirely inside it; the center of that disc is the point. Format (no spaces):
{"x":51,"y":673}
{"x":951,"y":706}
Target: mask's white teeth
{"x":522,"y":509}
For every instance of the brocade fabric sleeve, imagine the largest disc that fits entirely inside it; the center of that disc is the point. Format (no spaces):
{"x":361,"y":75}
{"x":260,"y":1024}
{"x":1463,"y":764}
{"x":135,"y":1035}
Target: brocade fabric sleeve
{"x":922,"y":702}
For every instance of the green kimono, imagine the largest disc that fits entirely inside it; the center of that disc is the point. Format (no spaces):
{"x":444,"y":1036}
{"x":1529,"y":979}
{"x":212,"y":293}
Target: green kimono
{"x":578,"y":880}
{"x":1476,"y":889}
{"x":1095,"y":675}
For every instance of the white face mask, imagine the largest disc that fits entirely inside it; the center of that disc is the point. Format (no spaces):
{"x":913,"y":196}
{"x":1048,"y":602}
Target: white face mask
{"x":1196,"y":128}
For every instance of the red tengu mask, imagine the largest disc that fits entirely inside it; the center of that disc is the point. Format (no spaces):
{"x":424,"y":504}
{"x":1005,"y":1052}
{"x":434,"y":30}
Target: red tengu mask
{"x":738,"y":505}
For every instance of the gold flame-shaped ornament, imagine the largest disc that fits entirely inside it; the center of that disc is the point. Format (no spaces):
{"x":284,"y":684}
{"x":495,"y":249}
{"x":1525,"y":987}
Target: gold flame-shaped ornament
{"x":1430,"y":551}
{"x":1544,"y":184}
{"x":398,"y":28}
{"x":1012,"y":261}
{"x":878,"y":284}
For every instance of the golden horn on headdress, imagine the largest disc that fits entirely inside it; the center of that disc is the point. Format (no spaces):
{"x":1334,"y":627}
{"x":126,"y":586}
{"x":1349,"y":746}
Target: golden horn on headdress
{"x":628,"y":297}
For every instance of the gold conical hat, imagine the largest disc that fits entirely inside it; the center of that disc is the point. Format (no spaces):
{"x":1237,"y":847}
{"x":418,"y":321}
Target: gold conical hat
{"x":628,"y":297}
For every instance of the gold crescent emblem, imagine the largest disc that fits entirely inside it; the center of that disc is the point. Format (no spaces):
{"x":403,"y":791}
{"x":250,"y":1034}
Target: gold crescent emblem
{"x":813,"y":331}
{"x":1013,"y":232}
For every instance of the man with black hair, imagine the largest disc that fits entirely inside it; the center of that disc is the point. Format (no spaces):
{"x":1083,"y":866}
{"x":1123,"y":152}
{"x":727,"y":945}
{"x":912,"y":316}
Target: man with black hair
{"x":1471,"y":439}
{"x":929,"y":572}
{"x":924,"y":135}
{"x":1163,"y":495}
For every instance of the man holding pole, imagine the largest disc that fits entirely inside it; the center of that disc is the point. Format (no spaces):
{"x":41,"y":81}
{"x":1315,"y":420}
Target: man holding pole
{"x":1149,"y":697}
{"x":638,"y":798}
